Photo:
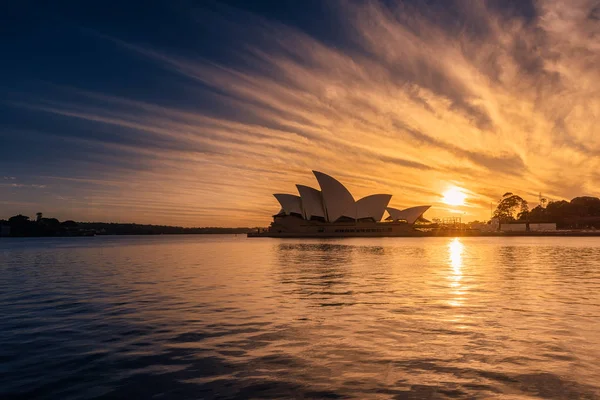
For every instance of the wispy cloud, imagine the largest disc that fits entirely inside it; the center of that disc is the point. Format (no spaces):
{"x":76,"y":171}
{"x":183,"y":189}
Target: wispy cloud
{"x":413,"y":103}
{"x":22,"y":185}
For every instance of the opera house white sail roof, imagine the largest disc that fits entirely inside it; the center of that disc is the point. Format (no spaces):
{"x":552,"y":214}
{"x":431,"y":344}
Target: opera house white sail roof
{"x":312,"y":202}
{"x":290,"y":203}
{"x":410,"y":215}
{"x":334,"y":202}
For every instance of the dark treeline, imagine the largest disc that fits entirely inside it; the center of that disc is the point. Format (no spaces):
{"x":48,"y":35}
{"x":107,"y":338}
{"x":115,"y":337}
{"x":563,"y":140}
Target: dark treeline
{"x":138,"y":229}
{"x":22,"y":226}
{"x":579,"y":213}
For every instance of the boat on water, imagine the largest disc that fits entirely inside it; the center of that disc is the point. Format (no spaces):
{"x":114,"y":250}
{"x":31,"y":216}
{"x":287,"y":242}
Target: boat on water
{"x":332,"y":211}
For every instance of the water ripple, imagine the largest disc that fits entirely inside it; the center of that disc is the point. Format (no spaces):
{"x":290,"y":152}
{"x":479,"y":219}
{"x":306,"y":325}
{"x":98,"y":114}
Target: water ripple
{"x":228,"y":317}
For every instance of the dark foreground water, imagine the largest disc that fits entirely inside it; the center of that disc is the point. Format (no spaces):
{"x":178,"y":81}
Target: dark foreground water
{"x":230,"y":317}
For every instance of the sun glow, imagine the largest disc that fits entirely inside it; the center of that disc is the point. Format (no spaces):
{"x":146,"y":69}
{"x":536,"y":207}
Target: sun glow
{"x":454,"y":196}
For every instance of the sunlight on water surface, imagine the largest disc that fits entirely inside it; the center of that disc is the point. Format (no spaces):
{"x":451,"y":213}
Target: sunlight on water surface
{"x":226,"y":316}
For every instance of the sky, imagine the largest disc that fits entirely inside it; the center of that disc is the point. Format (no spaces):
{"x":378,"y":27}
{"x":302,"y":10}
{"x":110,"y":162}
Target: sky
{"x":193,"y":113}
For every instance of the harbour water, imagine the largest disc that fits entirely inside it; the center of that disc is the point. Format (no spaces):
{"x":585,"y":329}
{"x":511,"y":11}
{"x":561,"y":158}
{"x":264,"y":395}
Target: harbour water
{"x":230,"y":317}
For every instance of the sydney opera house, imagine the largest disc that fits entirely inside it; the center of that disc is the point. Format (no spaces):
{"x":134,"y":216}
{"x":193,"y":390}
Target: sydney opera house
{"x":333,"y":212}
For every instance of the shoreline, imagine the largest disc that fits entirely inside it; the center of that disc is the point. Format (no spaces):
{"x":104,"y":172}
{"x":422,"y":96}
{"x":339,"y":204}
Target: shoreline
{"x":417,"y":234}
{"x":557,"y":233}
{"x":445,"y":233}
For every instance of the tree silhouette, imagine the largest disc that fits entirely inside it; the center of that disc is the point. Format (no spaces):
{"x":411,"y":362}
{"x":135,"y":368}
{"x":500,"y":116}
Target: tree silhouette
{"x":511,"y":207}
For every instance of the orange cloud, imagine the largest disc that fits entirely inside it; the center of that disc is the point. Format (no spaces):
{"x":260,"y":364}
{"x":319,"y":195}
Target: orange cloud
{"x":409,"y":108}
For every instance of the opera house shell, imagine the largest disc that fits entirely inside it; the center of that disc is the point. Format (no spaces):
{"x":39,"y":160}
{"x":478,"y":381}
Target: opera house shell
{"x":332,"y":211}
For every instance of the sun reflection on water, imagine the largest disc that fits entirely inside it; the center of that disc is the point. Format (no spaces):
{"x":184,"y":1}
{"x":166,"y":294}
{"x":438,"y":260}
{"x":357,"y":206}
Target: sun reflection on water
{"x":455,"y":249}
{"x":455,"y":256}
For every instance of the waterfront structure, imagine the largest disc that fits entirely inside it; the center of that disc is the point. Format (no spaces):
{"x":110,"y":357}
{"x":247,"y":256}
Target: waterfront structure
{"x":542,"y":227}
{"x":528,"y":227}
{"x":513,"y":227}
{"x":332,"y":211}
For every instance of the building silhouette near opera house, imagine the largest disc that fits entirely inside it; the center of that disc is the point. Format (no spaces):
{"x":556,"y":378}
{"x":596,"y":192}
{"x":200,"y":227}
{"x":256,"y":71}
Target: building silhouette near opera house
{"x":333,"y":212}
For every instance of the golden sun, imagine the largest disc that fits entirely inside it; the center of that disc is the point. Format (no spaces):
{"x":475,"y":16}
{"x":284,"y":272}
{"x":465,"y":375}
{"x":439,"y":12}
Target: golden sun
{"x":454,"y":196}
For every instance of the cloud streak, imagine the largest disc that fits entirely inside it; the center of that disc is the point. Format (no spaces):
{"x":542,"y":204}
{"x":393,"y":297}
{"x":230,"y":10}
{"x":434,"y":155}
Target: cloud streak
{"x":408,"y":105}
